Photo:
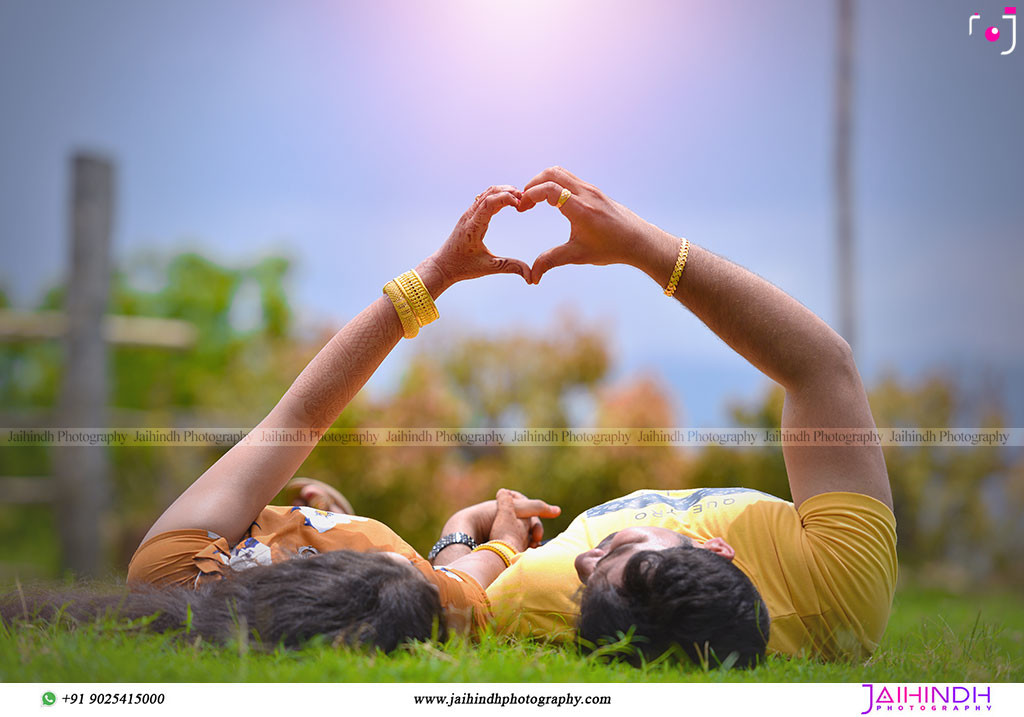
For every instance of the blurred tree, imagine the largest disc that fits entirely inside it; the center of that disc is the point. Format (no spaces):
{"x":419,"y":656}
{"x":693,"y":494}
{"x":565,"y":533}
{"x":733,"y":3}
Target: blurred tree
{"x":953,"y":503}
{"x":1009,"y":543}
{"x":528,"y":376}
{"x":761,"y":468}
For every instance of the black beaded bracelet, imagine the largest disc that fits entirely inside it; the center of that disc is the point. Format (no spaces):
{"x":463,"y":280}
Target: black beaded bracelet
{"x":451,"y":539}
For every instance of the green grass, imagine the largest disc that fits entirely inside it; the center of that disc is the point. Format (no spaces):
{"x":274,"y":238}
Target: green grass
{"x":932,"y":637}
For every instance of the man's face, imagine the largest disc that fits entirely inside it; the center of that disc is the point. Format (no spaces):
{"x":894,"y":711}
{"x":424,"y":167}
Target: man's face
{"x":609,"y":558}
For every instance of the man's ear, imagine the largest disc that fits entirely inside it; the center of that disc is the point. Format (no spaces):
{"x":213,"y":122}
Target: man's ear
{"x":718,"y":546}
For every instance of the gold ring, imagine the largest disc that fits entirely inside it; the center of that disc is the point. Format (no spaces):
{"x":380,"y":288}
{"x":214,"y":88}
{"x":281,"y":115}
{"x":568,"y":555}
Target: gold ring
{"x":563,"y":198}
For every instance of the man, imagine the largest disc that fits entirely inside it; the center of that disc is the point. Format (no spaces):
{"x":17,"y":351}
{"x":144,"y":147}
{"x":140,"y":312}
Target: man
{"x":697,"y":569}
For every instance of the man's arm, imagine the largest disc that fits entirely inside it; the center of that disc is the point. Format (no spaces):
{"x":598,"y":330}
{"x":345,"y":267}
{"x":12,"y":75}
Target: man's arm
{"x":794,"y":347}
{"x":766,"y":326}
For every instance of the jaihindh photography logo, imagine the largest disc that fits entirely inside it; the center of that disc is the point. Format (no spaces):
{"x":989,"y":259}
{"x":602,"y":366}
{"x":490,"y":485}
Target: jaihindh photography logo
{"x":927,"y":698}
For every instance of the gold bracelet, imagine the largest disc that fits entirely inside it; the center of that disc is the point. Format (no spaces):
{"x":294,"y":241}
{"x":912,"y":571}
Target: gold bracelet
{"x":410,"y":327}
{"x":423,"y":307}
{"x":684,"y":250}
{"x":503,"y":550}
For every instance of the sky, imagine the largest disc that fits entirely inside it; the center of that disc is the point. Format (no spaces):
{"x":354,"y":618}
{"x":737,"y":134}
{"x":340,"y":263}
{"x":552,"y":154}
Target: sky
{"x":351,"y":137}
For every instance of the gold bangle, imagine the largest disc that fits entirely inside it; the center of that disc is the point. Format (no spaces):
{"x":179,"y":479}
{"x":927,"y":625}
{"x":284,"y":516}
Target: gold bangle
{"x":512,"y":551}
{"x":420,"y":301}
{"x":410,"y":327}
{"x":502,"y":550}
{"x":684,"y":250}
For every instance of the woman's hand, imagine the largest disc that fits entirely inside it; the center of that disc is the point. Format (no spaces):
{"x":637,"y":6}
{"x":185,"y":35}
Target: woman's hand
{"x":464,"y":256}
{"x":602,"y":230}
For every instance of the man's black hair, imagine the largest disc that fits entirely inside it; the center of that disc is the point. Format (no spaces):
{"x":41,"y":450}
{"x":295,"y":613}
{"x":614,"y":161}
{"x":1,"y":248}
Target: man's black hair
{"x":680,"y":598}
{"x":347,"y":597}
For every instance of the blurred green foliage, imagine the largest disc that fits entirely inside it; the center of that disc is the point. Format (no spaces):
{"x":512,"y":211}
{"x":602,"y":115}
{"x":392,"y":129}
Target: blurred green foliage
{"x":956,"y":507}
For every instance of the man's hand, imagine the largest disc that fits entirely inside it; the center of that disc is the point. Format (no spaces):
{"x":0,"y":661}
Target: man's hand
{"x":602,"y":231}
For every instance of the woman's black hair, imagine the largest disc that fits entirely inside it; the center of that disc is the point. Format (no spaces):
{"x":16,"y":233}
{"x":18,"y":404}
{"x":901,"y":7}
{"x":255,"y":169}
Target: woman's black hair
{"x":347,"y":597}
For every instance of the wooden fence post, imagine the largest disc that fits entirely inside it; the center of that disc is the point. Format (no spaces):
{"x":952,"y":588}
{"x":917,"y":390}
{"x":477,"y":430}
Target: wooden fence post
{"x":82,"y":472}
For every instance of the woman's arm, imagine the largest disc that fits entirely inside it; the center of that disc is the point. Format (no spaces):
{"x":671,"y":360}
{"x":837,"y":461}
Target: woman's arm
{"x":232,"y":492}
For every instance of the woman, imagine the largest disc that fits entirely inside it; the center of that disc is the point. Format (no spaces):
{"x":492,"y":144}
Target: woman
{"x":358,"y":582}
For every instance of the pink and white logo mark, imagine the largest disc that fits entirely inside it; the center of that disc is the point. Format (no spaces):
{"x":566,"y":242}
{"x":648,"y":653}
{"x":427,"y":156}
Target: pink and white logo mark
{"x":993,"y":33}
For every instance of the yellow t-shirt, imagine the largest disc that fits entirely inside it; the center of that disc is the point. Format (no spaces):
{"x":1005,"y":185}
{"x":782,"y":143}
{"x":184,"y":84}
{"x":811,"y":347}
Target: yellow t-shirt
{"x":826,"y":571}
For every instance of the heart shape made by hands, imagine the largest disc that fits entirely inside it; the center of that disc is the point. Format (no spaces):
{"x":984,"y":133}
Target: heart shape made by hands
{"x":601,"y":230}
